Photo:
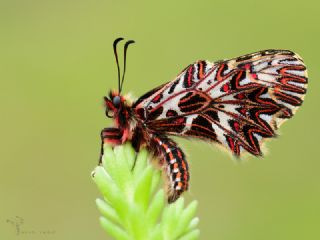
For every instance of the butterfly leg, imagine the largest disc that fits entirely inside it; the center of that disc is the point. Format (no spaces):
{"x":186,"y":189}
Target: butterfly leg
{"x":111,"y":136}
{"x":174,"y":164}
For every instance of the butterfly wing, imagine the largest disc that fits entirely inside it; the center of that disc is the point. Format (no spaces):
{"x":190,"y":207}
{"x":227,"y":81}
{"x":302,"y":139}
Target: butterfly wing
{"x":237,"y":103}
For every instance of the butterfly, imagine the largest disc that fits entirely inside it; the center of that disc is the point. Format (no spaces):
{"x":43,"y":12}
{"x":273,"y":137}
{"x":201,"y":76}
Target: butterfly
{"x":236,"y":103}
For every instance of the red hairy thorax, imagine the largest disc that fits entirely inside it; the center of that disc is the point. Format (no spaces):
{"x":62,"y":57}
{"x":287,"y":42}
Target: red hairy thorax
{"x":118,"y":108}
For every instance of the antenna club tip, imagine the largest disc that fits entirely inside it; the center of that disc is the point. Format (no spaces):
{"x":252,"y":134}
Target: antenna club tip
{"x":117,"y":40}
{"x":129,"y":42}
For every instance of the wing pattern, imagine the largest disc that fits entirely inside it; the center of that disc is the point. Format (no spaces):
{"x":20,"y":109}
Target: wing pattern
{"x":236,"y":103}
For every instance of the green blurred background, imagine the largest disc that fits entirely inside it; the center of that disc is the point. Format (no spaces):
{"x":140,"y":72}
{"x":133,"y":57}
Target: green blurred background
{"x":56,"y":63}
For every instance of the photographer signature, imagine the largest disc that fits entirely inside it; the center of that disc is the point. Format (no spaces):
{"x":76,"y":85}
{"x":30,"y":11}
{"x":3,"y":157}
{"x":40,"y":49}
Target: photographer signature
{"x":17,"y":222}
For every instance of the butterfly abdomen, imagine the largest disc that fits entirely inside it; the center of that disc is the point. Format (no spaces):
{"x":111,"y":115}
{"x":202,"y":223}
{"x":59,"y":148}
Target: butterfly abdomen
{"x":173,"y":162}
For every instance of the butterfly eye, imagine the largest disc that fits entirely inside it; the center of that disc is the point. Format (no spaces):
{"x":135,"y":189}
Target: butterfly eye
{"x":116,"y":101}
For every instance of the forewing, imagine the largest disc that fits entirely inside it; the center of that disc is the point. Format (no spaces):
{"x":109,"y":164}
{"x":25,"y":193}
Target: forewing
{"x":237,"y":102}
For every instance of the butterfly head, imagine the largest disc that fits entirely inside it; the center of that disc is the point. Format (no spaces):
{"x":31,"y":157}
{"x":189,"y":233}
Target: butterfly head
{"x":117,"y":108}
{"x":114,"y":103}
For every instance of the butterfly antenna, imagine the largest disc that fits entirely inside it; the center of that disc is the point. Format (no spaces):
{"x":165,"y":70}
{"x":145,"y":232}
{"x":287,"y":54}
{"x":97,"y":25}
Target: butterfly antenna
{"x":125,"y":60}
{"x":117,"y":61}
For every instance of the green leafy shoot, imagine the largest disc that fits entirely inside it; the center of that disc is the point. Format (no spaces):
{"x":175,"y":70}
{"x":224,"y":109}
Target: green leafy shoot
{"x":134,"y":206}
